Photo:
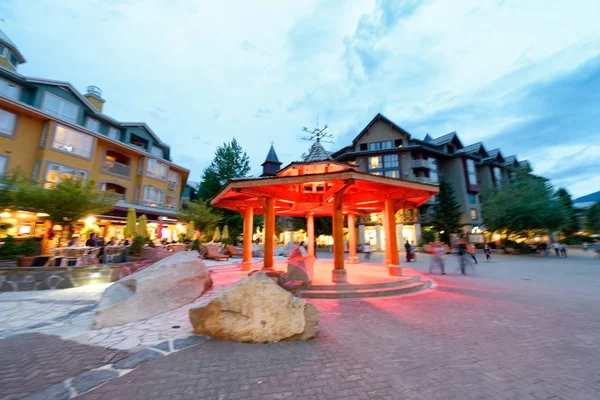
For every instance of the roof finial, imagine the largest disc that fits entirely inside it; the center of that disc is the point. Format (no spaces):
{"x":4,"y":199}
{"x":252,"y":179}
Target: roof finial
{"x":318,"y":134}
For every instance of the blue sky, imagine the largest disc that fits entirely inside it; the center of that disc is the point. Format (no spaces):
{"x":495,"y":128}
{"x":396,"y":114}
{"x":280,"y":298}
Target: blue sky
{"x":520,"y":75}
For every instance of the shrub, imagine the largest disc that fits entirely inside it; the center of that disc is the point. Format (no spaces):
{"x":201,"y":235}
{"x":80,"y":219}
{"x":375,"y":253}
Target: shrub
{"x":204,"y":239}
{"x":427,"y":236}
{"x":149,"y":243}
{"x":196,"y":244}
{"x":577,"y":239}
{"x":227,"y":241}
{"x":9,"y":249}
{"x":136,"y":246}
{"x":29,"y":248}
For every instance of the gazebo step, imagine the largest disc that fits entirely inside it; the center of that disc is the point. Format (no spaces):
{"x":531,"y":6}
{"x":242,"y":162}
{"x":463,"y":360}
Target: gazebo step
{"x":366,"y":293}
{"x":348,"y":286}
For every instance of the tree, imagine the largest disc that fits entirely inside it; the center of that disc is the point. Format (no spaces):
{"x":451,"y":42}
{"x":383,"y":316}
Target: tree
{"x":593,"y":218}
{"x":446,"y":212}
{"x":230,"y":161}
{"x":571,"y":223}
{"x":71,"y":199}
{"x":204,"y":217}
{"x":529,"y":203}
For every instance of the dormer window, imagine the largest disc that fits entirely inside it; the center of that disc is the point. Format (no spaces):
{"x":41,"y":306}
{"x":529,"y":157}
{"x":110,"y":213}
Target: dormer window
{"x":138,"y":141}
{"x":92,"y":124}
{"x":3,"y":51}
{"x":60,"y":108}
{"x":157,"y":151}
{"x":13,"y":60}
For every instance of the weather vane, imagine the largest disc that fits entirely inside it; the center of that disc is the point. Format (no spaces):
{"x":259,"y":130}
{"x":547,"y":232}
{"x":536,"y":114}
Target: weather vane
{"x":318,"y":134}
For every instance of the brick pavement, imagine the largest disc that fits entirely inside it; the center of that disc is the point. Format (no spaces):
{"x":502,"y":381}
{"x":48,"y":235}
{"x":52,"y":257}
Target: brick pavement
{"x":524,"y":329}
{"x":32,"y":361}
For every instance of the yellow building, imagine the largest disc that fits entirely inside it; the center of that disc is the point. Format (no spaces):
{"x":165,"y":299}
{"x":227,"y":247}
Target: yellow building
{"x":50,"y":130}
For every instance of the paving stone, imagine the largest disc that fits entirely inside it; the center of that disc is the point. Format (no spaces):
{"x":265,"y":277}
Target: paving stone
{"x":137,"y":359}
{"x":164,"y":346}
{"x":91,"y":379}
{"x":179,"y":344}
{"x":55,"y":392}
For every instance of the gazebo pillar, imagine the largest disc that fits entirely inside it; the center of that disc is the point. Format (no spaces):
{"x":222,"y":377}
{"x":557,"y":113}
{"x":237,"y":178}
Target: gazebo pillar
{"x":352,"y":258}
{"x":310,"y":231}
{"x":386,"y":252}
{"x":391,"y":245}
{"x":269,"y":233}
{"x":337,"y":219}
{"x":248,"y":227}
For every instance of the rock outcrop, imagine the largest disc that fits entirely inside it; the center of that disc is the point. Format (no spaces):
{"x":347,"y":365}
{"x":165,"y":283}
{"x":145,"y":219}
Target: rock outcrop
{"x":168,"y":284}
{"x":256,"y":310}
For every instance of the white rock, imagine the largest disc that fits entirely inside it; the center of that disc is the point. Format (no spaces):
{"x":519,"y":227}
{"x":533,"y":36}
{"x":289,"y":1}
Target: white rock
{"x":168,"y":284}
{"x":256,"y":310}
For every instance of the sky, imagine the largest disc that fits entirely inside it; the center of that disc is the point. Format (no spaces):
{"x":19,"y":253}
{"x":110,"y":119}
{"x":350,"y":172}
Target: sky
{"x":523,"y":76}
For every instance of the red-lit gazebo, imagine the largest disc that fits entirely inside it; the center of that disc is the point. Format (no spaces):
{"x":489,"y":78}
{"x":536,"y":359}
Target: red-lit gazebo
{"x":322,"y":188}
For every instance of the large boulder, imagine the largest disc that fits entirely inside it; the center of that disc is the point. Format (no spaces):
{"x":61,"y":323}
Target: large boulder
{"x":168,"y":284}
{"x":256,"y":310}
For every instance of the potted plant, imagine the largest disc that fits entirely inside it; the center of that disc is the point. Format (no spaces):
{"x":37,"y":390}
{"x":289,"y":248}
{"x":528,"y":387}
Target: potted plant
{"x":136,"y":248}
{"x":28,"y":250}
{"x":9,"y":250}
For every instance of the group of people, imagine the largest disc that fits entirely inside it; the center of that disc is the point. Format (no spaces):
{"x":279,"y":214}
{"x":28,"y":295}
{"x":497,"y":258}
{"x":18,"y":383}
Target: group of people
{"x":464,"y":250}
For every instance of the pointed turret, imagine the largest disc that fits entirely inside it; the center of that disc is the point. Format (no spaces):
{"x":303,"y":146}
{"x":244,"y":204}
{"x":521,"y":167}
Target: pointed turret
{"x":271,"y":164}
{"x":10,"y":56}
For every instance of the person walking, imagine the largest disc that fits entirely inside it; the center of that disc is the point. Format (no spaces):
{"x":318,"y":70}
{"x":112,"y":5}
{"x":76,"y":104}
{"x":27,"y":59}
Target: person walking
{"x":556,"y":247}
{"x":408,"y":251}
{"x":471,"y":250}
{"x":488,"y":252}
{"x":413,"y":251}
{"x":563,"y":249}
{"x":437,"y":252}
{"x":462,"y":253}
{"x":367,"y":251}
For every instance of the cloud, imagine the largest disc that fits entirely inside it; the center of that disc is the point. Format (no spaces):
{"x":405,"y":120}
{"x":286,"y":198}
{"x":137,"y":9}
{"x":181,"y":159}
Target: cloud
{"x":517,"y":75}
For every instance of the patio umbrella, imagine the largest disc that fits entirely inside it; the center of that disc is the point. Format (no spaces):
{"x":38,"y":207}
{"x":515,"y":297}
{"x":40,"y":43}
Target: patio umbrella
{"x":225,"y":234}
{"x":143,"y":226}
{"x":131,"y":226}
{"x":216,"y":235}
{"x":191,"y":231}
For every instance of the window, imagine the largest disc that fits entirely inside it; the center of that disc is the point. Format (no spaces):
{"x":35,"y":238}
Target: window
{"x":433,"y":171}
{"x":8,"y":121}
{"x":13,"y":60}
{"x":3,"y":50}
{"x":363,"y":146}
{"x":57,"y":173}
{"x":92,"y":124}
{"x":153,"y":197}
{"x":498,"y":177}
{"x":388,"y":144}
{"x":174,"y":177}
{"x":60,"y":108}
{"x":170,"y":201}
{"x":471,"y":172}
{"x":73,"y":142}
{"x":473,"y":213}
{"x":114,"y":133}
{"x":9,"y":89}
{"x":44,"y":135}
{"x":374,"y":162}
{"x":155,"y":169}
{"x":472,"y":198}
{"x":157,"y":151}
{"x":3,"y":163}
{"x":36,"y":170}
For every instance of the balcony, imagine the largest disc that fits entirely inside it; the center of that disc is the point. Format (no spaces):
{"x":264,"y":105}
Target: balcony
{"x":423,"y":179}
{"x":116,"y":168}
{"x":173,"y":185}
{"x":420,"y":163}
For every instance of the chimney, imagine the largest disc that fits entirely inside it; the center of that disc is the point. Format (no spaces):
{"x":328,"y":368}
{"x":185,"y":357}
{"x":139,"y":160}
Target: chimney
{"x":94,"y":96}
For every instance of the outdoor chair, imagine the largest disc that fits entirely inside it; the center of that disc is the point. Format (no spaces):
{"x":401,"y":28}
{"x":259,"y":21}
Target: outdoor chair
{"x":73,"y":257}
{"x":233,"y":251}
{"x":212,"y":253}
{"x":92,"y":256}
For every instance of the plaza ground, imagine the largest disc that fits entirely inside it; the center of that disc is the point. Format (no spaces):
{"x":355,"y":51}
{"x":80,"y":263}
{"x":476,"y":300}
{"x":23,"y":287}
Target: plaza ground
{"x":520,"y":327}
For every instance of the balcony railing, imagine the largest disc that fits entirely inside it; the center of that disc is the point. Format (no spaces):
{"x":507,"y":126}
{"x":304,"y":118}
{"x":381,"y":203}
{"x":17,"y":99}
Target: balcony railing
{"x":116,"y":168}
{"x":423,"y":179}
{"x":421,"y":164}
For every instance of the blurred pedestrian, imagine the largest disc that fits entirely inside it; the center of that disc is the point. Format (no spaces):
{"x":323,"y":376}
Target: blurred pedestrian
{"x":413,"y":251}
{"x":563,"y":249}
{"x":471,"y":250}
{"x":556,"y":247}
{"x":488,"y":252}
{"x":408,"y":251}
{"x":367,"y":251}
{"x":437,"y":252}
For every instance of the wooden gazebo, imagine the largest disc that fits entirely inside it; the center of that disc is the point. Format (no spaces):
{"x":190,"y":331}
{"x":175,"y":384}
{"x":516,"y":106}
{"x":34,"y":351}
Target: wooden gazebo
{"x":322,"y":188}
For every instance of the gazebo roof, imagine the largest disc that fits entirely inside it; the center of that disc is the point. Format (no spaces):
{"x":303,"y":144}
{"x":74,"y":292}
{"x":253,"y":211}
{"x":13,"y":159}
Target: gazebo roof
{"x":308,"y":187}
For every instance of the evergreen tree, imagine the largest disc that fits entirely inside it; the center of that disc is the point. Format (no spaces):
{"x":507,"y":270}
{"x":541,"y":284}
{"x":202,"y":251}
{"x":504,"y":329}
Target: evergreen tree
{"x":446,"y":212}
{"x":230,"y":161}
{"x":593,"y":218}
{"x":571,"y":223}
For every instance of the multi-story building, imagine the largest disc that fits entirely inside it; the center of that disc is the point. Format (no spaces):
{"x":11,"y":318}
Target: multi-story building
{"x":384,"y":148}
{"x":51,"y":131}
